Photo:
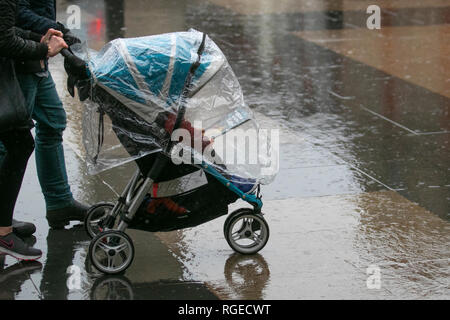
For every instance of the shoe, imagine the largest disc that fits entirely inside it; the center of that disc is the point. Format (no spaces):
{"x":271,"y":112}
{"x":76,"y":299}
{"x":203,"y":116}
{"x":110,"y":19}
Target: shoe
{"x":30,"y":240}
{"x":23,"y":229}
{"x":59,"y":218}
{"x":16,"y":247}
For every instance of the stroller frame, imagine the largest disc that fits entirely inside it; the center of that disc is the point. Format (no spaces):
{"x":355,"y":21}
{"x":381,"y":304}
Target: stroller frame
{"x":139,"y":186}
{"x":114,"y":240}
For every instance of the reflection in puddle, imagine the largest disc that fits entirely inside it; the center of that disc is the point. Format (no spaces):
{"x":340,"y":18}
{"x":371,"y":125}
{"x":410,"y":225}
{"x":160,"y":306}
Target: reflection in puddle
{"x":65,"y":248}
{"x":112,"y":288}
{"x":12,"y":277}
{"x":247,"y":276}
{"x":122,"y":288}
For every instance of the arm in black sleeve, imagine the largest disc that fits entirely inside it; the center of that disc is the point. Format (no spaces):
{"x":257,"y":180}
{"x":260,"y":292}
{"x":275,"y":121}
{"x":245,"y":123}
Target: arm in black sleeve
{"x":29,"y":20}
{"x":24,"y":34}
{"x":13,"y":46}
{"x":28,"y":35}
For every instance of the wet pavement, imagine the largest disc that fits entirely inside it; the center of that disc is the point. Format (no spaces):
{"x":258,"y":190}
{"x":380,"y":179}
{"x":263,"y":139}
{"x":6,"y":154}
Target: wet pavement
{"x":364,"y":158}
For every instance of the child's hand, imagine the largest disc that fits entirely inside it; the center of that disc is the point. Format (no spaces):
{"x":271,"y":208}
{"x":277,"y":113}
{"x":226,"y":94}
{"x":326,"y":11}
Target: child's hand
{"x":193,"y":132}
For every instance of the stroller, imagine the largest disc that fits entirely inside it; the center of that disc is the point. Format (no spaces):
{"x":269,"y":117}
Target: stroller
{"x":143,"y":91}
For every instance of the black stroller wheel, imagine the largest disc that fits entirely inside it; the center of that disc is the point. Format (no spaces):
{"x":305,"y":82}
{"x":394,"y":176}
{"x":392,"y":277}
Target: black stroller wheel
{"x":95,"y":218}
{"x":246,"y":231}
{"x":111,"y":252}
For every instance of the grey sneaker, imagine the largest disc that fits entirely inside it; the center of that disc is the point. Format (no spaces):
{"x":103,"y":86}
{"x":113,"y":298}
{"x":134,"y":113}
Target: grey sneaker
{"x":23,"y":229}
{"x":58,"y":219}
{"x":16,"y":247}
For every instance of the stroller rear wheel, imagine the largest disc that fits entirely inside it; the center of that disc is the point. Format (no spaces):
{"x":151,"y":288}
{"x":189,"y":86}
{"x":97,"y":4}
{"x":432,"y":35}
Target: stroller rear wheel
{"x":111,"y":252}
{"x":95,"y":219}
{"x":246,"y":232}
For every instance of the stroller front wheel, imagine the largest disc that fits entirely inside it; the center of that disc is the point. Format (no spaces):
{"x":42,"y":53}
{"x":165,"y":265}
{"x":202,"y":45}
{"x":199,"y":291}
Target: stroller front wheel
{"x":111,"y":252}
{"x":246,"y":232}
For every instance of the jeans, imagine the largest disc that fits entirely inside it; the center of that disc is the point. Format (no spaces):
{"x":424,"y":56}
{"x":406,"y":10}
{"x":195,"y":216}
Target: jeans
{"x":50,"y":119}
{"x":17,"y":149}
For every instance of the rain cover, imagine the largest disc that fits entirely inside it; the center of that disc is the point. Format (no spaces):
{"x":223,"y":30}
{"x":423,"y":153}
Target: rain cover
{"x":135,"y":97}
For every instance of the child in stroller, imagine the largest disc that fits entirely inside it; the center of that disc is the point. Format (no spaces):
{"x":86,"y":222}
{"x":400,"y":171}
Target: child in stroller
{"x":190,"y":73}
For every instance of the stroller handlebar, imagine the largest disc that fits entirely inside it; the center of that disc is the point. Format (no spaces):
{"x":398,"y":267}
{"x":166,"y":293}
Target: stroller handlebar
{"x":66,"y":53}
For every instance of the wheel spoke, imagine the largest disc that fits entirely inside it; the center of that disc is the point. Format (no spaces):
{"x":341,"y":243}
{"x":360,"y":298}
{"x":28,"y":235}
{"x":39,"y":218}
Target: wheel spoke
{"x":95,"y":222}
{"x":111,"y":261}
{"x":104,"y":247}
{"x":248,"y":225}
{"x":121,"y":247}
{"x":236,"y":236}
{"x":256,"y":238}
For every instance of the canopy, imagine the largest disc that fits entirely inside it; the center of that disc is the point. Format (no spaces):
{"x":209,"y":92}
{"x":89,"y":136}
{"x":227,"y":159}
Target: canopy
{"x":147,"y":76}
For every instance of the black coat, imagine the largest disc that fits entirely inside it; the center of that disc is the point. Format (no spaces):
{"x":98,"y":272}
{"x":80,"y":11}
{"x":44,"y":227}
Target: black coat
{"x":14,"y":42}
{"x":37,"y":16}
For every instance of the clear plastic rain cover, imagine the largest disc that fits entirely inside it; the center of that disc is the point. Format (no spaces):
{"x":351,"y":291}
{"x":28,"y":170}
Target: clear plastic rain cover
{"x":137,"y":93}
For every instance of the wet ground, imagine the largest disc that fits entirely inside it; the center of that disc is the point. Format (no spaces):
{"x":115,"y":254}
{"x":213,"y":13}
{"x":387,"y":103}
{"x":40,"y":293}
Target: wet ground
{"x":365,"y":157}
